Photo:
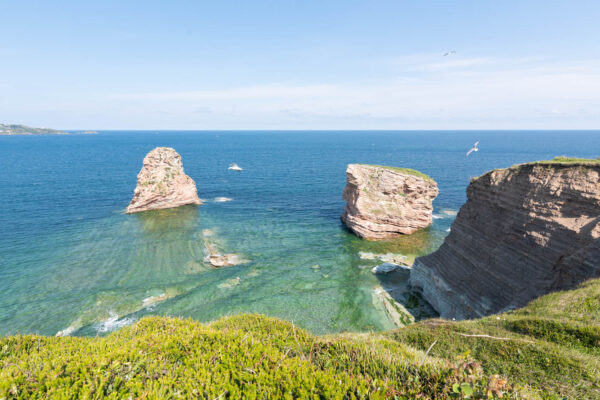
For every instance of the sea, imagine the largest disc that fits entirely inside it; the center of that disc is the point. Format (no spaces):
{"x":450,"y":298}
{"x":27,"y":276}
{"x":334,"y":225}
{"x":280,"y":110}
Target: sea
{"x":72,"y":262}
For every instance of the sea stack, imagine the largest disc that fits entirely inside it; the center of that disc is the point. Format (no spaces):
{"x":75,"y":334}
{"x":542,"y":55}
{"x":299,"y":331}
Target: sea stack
{"x":524,"y":231}
{"x":383,"y":202}
{"x":162,"y":183}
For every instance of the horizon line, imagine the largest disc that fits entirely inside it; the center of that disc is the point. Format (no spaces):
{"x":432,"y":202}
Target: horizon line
{"x":334,"y":130}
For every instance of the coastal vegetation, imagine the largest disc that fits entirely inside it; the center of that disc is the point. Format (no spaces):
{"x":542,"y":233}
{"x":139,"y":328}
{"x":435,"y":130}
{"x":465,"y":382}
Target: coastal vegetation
{"x":551,"y":346}
{"x":408,"y":171}
{"x":548,"y":350}
{"x":570,"y":160}
{"x":562,"y":160}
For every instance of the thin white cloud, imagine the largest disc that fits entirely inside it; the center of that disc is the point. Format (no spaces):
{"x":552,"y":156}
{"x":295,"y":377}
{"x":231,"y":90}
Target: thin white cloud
{"x":456,"y":63}
{"x":467,"y":91}
{"x":420,"y":92}
{"x":274,"y":91}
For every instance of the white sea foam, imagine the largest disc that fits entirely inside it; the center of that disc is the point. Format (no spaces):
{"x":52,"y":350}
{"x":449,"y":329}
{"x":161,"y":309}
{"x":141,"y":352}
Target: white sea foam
{"x":149,"y":302}
{"x":113,"y":323}
{"x":222,"y":199}
{"x":448,"y":230}
{"x":66,"y":332}
{"x":436,"y":216}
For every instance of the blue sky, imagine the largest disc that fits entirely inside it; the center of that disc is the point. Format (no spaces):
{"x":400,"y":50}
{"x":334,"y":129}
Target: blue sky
{"x":300,"y":64}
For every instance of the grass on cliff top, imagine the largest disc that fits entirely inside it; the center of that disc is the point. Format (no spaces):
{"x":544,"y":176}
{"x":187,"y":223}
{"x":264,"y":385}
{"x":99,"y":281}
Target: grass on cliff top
{"x":552,"y":345}
{"x":408,"y":171}
{"x":549,"y":349}
{"x":562,"y":160}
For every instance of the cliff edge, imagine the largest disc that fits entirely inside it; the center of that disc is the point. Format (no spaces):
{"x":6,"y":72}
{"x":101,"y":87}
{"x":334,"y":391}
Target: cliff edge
{"x":382,"y":202}
{"x":524,"y":231}
{"x":162,"y":183}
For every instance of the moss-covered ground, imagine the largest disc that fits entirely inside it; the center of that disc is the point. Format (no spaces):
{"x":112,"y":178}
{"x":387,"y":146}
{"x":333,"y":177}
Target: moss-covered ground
{"x":549,"y":349}
{"x":404,"y":171}
{"x":562,"y":160}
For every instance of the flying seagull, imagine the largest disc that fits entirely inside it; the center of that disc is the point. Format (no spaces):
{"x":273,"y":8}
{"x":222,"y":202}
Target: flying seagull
{"x":474,"y":148}
{"x":448,"y":53}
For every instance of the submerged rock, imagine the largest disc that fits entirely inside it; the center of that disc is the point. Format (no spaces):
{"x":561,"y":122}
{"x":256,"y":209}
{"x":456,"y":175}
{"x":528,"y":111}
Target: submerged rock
{"x":395,"y":311}
{"x":524,"y":231}
{"x":387,"y":267}
{"x":383,"y":202}
{"x":214,"y":256}
{"x":162,"y":183}
{"x":225,"y":260}
{"x":229,"y":283}
{"x":394,"y":259}
{"x":367,"y":256}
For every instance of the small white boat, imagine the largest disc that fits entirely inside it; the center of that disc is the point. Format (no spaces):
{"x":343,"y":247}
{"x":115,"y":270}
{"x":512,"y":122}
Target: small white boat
{"x":234,"y":167}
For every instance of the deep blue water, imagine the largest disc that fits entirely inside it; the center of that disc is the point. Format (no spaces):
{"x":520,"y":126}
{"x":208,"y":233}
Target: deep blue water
{"x":69,"y":256}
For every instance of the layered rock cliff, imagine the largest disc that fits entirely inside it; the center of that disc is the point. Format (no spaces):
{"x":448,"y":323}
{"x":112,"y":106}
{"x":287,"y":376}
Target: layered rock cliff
{"x":382,"y":202}
{"x":523,"y":232}
{"x":162,"y":183}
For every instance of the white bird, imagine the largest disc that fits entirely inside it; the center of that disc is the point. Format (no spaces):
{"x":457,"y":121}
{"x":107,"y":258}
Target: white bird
{"x":448,"y":53}
{"x":474,"y":148}
{"x":234,"y":167}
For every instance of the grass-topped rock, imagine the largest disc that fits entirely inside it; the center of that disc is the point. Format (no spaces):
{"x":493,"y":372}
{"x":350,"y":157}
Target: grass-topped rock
{"x":383,"y":202}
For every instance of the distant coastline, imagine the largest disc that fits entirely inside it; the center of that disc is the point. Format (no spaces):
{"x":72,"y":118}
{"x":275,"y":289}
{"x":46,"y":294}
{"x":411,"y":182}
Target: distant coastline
{"x":10,"y":130}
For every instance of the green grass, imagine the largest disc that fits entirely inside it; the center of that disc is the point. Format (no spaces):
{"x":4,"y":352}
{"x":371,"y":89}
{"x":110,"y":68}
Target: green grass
{"x":571,"y":160}
{"x":557,"y":161}
{"x":549,"y":349}
{"x":403,"y":170}
{"x":248,"y":356}
{"x":552,"y":345}
{"x":562,"y":160}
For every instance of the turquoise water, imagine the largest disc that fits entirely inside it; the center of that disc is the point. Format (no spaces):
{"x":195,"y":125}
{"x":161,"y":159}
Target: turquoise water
{"x":70,"y":257}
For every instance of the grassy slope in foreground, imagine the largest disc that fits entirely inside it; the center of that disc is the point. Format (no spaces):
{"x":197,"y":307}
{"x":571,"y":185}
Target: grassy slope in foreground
{"x":548,"y":349}
{"x":552,"y":344}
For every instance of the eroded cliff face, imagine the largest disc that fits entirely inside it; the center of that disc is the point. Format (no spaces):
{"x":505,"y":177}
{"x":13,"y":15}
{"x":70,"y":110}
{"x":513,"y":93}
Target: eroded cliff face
{"x":382,"y":202}
{"x":162,"y":183}
{"x":523,"y":232}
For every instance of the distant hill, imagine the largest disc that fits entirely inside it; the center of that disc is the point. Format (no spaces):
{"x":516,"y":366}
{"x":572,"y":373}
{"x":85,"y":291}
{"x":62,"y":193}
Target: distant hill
{"x":27,"y":130}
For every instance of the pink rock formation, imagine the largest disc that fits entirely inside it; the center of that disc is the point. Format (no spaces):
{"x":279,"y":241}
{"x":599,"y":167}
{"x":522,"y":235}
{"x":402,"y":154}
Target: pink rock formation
{"x":162,"y":183}
{"x":383,"y":202}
